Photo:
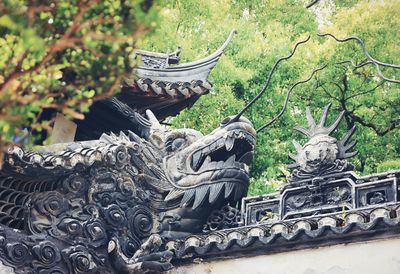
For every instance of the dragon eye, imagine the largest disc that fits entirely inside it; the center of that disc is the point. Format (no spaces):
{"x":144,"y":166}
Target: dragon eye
{"x":176,"y":143}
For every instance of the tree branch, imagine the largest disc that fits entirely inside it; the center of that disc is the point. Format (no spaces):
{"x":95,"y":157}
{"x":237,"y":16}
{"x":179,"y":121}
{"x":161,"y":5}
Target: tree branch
{"x":371,"y":60}
{"x":64,"y":42}
{"x":364,"y":92}
{"x":287,"y":98}
{"x":380,"y":132}
{"x":312,"y":3}
{"x":258,"y":96}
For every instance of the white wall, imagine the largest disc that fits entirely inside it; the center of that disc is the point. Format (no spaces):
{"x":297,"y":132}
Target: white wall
{"x":374,"y":257}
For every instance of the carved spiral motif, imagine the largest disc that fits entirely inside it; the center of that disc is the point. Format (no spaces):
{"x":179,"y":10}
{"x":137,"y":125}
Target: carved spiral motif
{"x":126,"y":186}
{"x":54,"y":270}
{"x":119,"y":157}
{"x":115,"y":216}
{"x":129,"y":245}
{"x":215,"y":220}
{"x":75,"y":184}
{"x":2,"y":241}
{"x":140,"y":221}
{"x":25,"y":270}
{"x":51,"y":203}
{"x":226,"y":217}
{"x":96,"y":232}
{"x":105,"y":198}
{"x":47,"y":253}
{"x":80,"y":261}
{"x":18,"y":253}
{"x":71,"y":226}
{"x":91,"y":210}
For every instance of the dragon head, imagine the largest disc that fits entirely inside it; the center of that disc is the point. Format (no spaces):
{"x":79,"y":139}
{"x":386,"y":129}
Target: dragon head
{"x":201,"y":173}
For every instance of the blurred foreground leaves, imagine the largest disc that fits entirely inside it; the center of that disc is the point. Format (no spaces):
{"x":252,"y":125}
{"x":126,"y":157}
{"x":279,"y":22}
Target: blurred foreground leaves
{"x":63,"y":55}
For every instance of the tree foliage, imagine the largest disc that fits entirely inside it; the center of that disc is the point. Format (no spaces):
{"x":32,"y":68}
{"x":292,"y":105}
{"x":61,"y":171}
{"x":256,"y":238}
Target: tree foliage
{"x":66,"y":54}
{"x":63,"y":55}
{"x":268,"y":30}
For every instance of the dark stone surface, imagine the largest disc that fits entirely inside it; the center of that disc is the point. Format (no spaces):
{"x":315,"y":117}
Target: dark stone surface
{"x":108,"y":206}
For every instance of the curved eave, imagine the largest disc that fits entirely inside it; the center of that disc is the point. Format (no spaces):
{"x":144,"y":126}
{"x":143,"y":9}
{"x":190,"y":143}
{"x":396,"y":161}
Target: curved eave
{"x":213,"y":56}
{"x":368,"y":224}
{"x":188,"y":71}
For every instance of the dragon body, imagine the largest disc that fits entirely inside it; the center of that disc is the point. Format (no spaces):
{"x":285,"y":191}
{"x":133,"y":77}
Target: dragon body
{"x":105,"y":206}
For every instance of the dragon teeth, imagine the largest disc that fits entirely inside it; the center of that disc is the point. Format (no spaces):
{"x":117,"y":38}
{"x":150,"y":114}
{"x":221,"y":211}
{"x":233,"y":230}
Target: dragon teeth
{"x":229,"y":142}
{"x":247,"y":157}
{"x":206,"y":164}
{"x":175,"y":193}
{"x":215,"y":190}
{"x":231,"y":160}
{"x":228,"y":189}
{"x":196,"y":160}
{"x":239,"y":191}
{"x":201,"y":194}
{"x":187,"y":197}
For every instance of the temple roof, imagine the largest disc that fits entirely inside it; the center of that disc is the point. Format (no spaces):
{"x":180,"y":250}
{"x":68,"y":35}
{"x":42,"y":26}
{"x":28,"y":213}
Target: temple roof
{"x":359,"y":225}
{"x":156,"y":84}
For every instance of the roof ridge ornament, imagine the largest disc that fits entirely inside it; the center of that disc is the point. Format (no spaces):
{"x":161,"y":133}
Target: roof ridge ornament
{"x":160,"y":84}
{"x":322,"y":154}
{"x":155,"y":66}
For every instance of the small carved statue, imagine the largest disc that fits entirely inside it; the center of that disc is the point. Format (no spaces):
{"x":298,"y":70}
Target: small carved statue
{"x":322,"y":154}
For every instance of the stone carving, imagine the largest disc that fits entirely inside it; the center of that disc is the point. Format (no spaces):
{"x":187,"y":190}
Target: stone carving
{"x":324,"y":202}
{"x":372,"y":195}
{"x":337,"y":195}
{"x":226,"y":217}
{"x":322,"y":154}
{"x":299,"y":201}
{"x":157,"y":60}
{"x":322,"y":181}
{"x":377,"y":197}
{"x":107,"y":206}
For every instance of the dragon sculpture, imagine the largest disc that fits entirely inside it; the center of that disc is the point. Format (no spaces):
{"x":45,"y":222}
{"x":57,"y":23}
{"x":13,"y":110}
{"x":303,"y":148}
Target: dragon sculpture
{"x":108,"y":205}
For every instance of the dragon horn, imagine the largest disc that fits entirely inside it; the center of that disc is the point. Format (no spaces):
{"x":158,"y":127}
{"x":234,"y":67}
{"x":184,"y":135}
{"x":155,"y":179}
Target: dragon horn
{"x":153,"y":119}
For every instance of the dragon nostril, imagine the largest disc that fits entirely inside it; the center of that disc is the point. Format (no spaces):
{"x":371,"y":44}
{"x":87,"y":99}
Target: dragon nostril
{"x":225,"y":121}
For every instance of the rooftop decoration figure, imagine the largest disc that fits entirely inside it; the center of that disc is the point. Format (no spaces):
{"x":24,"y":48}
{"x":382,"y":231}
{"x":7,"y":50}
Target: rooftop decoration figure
{"x":322,"y":154}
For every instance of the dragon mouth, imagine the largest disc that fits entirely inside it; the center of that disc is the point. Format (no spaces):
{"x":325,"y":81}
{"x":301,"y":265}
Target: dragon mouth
{"x":216,"y":170}
{"x":227,"y":159}
{"x":233,"y":150}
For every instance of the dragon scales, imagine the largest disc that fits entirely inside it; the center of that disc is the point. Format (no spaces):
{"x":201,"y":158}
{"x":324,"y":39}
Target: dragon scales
{"x":107,"y":206}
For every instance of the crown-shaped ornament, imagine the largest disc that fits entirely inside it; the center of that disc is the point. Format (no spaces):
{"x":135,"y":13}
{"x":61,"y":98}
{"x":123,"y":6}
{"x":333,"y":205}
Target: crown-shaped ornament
{"x":322,"y":154}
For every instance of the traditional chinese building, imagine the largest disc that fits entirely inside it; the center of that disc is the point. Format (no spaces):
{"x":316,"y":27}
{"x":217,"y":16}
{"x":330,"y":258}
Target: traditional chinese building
{"x":130,"y":195}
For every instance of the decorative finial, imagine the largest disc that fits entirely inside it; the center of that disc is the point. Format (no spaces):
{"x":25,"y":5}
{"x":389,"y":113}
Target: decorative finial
{"x":322,"y":154}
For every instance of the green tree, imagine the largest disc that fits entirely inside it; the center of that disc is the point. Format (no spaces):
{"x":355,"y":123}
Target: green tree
{"x":48,"y":61}
{"x":63,"y":55}
{"x":268,"y":30}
